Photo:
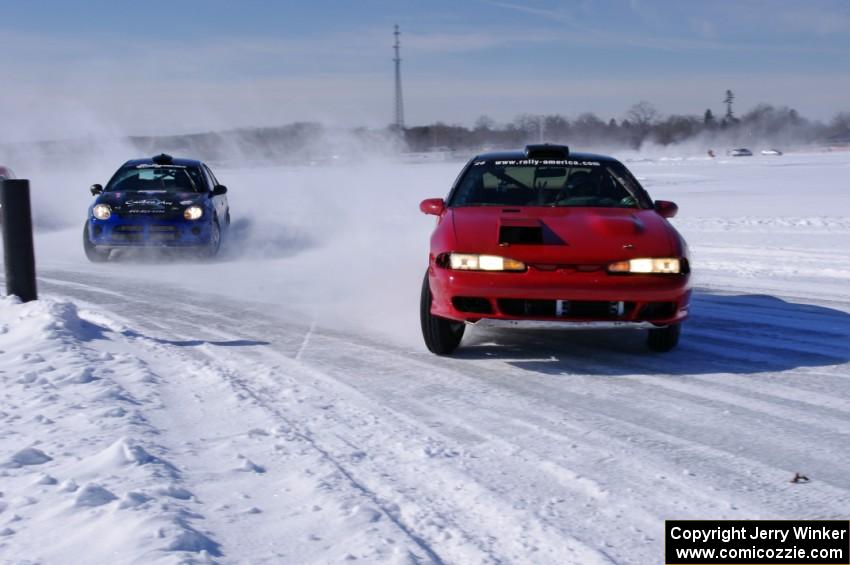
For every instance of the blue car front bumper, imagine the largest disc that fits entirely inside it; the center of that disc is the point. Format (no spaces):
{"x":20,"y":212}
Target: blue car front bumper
{"x":133,"y":232}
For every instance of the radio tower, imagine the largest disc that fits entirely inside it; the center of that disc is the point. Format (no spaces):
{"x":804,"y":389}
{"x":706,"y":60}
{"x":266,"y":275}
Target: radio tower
{"x":399,"y":103}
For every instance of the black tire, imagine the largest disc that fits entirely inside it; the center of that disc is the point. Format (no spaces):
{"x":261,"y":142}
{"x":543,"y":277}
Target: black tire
{"x":93,"y":254}
{"x":442,"y":336}
{"x":213,"y":247}
{"x":664,"y":339}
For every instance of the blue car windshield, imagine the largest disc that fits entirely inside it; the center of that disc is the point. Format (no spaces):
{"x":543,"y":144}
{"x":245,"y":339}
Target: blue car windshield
{"x":525,"y":182}
{"x":171,"y":178}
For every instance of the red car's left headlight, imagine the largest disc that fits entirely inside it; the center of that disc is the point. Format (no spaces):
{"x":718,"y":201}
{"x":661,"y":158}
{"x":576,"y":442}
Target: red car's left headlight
{"x":648,"y":266}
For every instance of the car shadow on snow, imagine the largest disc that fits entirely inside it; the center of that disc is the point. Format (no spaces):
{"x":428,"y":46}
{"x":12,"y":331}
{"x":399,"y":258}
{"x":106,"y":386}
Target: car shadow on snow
{"x":726,"y":333}
{"x":244,"y":239}
{"x":87,"y":331}
{"x":196,"y":342}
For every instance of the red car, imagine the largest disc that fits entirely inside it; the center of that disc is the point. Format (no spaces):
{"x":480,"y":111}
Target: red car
{"x":546,"y":238}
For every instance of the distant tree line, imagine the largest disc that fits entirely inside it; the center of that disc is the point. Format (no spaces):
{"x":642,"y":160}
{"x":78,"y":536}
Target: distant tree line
{"x":642,"y":124}
{"x":314,"y":143}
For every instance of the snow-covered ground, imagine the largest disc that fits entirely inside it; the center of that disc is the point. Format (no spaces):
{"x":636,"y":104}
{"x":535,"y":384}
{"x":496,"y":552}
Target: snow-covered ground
{"x":278,"y":406}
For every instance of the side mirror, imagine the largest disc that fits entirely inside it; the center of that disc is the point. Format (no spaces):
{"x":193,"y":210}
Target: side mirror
{"x":666,"y":209}
{"x":219,"y":190}
{"x":433,"y":206}
{"x":96,"y":189}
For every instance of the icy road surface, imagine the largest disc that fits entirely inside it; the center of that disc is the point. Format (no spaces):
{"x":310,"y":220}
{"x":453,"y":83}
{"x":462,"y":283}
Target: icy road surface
{"x":278,"y":406}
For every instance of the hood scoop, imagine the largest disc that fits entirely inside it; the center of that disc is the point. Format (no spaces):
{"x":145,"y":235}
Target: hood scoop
{"x":618,"y":226}
{"x":526,"y":232}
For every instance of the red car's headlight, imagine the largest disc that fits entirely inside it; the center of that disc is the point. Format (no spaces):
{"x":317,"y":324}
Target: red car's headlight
{"x":471,"y":262}
{"x":664,"y":266}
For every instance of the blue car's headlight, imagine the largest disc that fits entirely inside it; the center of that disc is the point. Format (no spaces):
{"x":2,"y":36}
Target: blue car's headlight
{"x":101,"y":211}
{"x":193,"y":213}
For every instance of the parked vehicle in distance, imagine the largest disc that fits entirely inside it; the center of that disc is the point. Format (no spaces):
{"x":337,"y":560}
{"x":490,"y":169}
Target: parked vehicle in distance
{"x":160,"y":202}
{"x":549,"y":238}
{"x":741,"y":152}
{"x":6,"y":173}
{"x":774,"y":152}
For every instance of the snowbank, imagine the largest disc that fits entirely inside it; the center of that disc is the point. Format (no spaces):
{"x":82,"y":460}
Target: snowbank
{"x":83,"y":477}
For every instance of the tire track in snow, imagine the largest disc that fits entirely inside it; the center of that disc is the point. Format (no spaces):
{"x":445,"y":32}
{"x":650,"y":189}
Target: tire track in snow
{"x":306,"y":341}
{"x":440,"y":390}
{"x":566,"y":546}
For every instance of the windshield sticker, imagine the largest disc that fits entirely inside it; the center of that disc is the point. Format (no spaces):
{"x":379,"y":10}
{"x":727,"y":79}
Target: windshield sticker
{"x":519,"y":162}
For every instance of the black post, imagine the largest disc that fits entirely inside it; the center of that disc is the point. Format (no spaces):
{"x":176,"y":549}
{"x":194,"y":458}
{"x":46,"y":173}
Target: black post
{"x":17,"y":239}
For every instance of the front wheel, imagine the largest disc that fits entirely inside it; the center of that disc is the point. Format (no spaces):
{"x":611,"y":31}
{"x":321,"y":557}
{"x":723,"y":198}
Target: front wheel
{"x":664,"y":339}
{"x":442,"y":336}
{"x":93,"y":254}
{"x":214,"y":245}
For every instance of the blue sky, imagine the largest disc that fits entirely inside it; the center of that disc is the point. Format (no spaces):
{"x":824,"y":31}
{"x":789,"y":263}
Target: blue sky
{"x":186,"y":65}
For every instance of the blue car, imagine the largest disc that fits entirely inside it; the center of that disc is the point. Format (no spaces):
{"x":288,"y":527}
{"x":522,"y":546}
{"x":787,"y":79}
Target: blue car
{"x":160,"y":202}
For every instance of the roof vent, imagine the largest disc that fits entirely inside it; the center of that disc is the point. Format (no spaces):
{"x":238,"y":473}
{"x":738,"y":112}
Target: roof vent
{"x":163,"y":159}
{"x":547,"y":151}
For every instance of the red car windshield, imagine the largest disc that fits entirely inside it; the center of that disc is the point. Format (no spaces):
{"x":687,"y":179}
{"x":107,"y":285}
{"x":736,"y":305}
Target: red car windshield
{"x":549,"y":183}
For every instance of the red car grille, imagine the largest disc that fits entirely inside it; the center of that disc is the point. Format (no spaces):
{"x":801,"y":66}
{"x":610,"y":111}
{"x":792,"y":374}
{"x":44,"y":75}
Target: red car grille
{"x":569,"y":309}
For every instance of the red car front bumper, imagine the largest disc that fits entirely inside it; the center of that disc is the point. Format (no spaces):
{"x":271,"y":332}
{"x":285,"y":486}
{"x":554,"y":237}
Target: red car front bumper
{"x":563,"y":295}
